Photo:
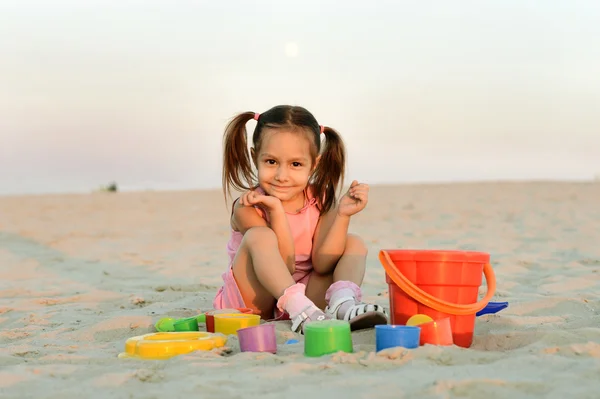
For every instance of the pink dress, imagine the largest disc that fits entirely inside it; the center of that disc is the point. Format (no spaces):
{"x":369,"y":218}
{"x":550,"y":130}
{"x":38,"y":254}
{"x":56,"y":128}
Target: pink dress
{"x":302,"y":224}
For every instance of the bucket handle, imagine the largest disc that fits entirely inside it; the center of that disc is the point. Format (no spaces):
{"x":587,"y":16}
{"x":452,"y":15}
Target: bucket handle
{"x":435,"y":303}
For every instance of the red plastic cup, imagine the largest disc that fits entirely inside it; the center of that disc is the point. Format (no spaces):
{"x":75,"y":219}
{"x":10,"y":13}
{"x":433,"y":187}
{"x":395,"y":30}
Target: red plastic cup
{"x":437,"y":332}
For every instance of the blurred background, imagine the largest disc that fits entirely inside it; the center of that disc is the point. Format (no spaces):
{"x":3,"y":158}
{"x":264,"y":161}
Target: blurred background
{"x":138,"y":92}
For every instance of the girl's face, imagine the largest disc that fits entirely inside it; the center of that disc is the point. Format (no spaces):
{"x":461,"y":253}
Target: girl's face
{"x":284,"y":164}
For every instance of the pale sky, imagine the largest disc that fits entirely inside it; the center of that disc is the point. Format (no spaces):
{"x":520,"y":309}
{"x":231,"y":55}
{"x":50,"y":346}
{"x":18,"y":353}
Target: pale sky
{"x":139,"y":91}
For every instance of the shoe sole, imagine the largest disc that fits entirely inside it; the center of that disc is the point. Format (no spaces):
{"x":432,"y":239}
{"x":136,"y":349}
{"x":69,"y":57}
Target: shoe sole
{"x":367,"y":320}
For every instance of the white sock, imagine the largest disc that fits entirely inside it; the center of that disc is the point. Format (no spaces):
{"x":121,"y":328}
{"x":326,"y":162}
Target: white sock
{"x":345,"y":306}
{"x":293,"y":301}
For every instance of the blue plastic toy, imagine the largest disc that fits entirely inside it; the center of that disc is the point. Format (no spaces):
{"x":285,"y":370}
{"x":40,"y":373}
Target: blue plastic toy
{"x":493,"y":307}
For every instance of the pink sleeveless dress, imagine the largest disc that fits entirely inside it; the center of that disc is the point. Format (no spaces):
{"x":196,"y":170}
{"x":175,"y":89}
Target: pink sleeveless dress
{"x":302,"y":224}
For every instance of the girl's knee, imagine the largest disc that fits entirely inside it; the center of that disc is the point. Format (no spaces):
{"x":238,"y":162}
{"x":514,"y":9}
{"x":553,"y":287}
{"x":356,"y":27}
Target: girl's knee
{"x":259,"y":236}
{"x":356,"y":245}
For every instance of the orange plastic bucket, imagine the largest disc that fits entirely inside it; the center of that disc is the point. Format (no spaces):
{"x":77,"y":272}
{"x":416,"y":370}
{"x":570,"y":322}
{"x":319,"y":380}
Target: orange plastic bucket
{"x":439,"y":284}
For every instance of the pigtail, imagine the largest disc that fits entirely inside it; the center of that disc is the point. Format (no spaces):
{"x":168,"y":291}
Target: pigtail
{"x":330,"y":170}
{"x":237,"y":167}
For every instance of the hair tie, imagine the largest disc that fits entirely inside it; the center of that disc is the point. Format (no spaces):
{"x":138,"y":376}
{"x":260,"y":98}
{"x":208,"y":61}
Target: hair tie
{"x":322,"y":128}
{"x":256,"y":116}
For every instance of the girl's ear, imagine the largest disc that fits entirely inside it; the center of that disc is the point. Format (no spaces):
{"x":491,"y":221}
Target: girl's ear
{"x":253,"y":156}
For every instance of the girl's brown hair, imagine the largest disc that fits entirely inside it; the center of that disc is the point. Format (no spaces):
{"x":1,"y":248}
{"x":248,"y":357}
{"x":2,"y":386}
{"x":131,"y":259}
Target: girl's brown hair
{"x":237,"y":165}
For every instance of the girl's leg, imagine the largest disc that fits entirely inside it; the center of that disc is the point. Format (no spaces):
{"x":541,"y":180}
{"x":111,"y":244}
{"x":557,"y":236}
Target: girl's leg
{"x":341,"y":289}
{"x":317,"y":286}
{"x":263,"y":278}
{"x":260,"y":273}
{"x":352,"y":264}
{"x":350,"y":267}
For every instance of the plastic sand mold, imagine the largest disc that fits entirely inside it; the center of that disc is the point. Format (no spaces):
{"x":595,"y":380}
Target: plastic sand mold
{"x":164,"y":345}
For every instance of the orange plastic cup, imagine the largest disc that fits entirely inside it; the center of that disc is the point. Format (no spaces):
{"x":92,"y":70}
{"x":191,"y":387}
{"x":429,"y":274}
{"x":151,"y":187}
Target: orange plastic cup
{"x":437,"y":332}
{"x":438,"y":284}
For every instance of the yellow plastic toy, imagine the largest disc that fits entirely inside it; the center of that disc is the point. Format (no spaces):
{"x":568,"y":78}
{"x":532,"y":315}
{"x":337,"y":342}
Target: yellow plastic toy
{"x":229,"y":323}
{"x":418,"y":319}
{"x":164,"y":345}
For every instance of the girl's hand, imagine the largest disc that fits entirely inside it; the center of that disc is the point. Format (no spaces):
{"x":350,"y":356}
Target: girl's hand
{"x":355,"y":199}
{"x":269,"y":203}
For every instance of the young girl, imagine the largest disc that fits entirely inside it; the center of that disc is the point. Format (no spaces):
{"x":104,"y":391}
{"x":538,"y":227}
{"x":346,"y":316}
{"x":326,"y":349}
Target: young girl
{"x":290,"y":251}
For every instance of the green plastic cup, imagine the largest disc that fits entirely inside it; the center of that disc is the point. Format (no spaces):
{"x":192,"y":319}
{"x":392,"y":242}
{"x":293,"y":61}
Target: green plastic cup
{"x":327,"y":336}
{"x":187,"y":324}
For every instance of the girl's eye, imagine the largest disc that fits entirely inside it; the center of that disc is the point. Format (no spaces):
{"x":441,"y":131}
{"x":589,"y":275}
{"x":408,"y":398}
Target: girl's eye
{"x":296,"y":164}
{"x":270,"y":161}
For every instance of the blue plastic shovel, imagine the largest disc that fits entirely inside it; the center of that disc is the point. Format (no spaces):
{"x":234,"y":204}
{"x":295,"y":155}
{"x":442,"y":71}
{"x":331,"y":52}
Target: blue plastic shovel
{"x":492,"y":307}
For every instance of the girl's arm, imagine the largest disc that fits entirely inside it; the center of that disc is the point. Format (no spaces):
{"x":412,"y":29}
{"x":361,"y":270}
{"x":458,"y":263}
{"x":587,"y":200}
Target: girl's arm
{"x":281,"y":227}
{"x":329,"y":241}
{"x":245,"y":217}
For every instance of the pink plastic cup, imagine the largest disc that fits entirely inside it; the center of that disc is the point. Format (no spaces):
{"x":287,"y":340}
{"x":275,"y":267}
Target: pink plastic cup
{"x":259,"y":338}
{"x":438,"y":332}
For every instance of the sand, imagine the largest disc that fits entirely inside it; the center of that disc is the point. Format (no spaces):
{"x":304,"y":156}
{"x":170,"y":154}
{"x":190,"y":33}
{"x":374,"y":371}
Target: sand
{"x":79,"y":274}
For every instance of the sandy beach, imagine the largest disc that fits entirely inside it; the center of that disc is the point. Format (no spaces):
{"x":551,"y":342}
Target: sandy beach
{"x":81,"y":273}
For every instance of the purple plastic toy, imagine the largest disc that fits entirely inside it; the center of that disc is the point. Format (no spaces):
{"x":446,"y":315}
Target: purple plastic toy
{"x":259,"y":338}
